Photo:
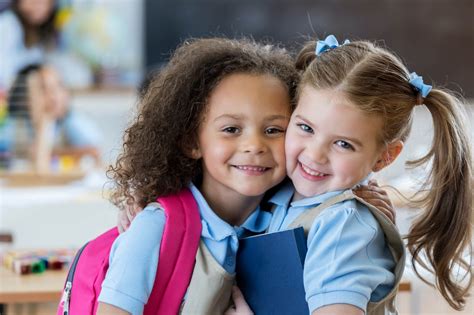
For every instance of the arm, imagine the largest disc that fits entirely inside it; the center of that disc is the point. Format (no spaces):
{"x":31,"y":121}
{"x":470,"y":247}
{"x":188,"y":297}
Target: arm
{"x":240,"y":306}
{"x":43,"y":124}
{"x":338,"y":309}
{"x":133,"y":263}
{"x":107,"y":309}
{"x":348,"y":262}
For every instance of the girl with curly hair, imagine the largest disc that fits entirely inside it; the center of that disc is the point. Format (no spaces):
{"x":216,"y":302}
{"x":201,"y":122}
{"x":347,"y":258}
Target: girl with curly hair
{"x":212,"y":120}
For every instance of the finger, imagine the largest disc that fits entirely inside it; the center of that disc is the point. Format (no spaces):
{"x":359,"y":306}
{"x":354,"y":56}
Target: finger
{"x":120,"y":226}
{"x":230,"y":311}
{"x":383,"y":204}
{"x":372,"y":188}
{"x":372,"y":194}
{"x":122,"y":221}
{"x":373,"y":182}
{"x":388,"y":212}
{"x":129,"y":214}
{"x":241,"y":305}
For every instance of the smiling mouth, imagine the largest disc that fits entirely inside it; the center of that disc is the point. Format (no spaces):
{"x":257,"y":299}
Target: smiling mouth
{"x":313,"y":174}
{"x":251,"y":169}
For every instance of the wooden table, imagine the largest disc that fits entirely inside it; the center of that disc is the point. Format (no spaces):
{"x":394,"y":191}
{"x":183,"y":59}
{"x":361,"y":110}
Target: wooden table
{"x":32,"y":179}
{"x":42,"y":287}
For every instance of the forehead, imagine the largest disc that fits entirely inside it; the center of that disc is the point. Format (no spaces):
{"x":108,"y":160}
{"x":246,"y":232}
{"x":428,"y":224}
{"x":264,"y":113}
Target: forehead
{"x":246,"y":93}
{"x":332,"y":113}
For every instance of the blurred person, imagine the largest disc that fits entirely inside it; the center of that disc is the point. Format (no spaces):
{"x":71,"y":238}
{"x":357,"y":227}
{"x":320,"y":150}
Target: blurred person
{"x":33,"y":31}
{"x":28,"y":31}
{"x":45,"y":125}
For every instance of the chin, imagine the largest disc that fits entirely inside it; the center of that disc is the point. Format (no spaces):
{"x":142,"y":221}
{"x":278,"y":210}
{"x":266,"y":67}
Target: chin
{"x":252,"y":192}
{"x":306,"y":193}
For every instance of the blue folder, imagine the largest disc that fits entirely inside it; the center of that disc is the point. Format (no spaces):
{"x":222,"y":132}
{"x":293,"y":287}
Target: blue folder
{"x":270,"y":272}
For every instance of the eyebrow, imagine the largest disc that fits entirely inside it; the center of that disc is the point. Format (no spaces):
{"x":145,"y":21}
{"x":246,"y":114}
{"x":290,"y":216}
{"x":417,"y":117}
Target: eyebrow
{"x":357,"y":142}
{"x":239,"y":117}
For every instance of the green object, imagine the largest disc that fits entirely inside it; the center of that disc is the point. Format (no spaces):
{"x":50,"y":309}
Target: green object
{"x":38,"y":266}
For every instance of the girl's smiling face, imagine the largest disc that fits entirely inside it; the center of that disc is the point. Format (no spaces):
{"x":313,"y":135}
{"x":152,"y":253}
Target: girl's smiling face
{"x":330,"y":144}
{"x":241,"y":139}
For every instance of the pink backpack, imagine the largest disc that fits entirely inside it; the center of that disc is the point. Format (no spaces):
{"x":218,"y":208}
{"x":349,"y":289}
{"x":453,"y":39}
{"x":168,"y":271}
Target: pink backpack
{"x":177,"y":257}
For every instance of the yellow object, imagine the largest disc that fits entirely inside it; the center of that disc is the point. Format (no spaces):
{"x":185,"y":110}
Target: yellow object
{"x":3,"y":107}
{"x":66,"y":163}
{"x":62,"y":17}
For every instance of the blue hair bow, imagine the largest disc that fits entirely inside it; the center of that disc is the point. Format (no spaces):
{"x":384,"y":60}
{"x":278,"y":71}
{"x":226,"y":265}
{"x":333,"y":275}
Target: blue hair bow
{"x":417,"y":82}
{"x":329,"y":43}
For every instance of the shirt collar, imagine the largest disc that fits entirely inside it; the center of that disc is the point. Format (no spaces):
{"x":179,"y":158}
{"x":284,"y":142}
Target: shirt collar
{"x":284,"y":195}
{"x":217,"y":229}
{"x":257,"y":222}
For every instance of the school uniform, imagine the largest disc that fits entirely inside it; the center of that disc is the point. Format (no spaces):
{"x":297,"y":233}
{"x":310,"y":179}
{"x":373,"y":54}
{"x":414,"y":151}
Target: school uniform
{"x":348,"y":260}
{"x":135,"y":254}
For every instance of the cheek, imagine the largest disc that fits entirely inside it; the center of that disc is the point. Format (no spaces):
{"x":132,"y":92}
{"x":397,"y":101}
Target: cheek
{"x":292,"y":147}
{"x":352,"y":169}
{"x":215,"y":152}
{"x":279,"y":150}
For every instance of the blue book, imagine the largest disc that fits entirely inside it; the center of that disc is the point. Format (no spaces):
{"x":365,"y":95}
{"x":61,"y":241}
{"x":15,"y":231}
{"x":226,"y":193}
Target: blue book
{"x":270,"y":272}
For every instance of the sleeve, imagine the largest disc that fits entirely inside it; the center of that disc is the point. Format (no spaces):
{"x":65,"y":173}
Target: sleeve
{"x":80,"y":131}
{"x":347,"y":259}
{"x":8,"y":49}
{"x":133,"y":262}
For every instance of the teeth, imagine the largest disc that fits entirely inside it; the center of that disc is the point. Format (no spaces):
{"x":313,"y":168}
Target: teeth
{"x":251,"y":168}
{"x":311,"y":172}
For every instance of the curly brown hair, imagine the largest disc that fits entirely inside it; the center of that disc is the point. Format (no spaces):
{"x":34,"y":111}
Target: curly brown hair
{"x":155,"y":160}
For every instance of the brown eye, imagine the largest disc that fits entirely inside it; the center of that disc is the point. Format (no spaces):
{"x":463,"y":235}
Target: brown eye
{"x":230,"y":130}
{"x":274,"y":131}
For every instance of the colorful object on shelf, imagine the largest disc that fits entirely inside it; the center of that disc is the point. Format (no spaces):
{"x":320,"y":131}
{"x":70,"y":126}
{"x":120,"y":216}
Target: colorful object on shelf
{"x":6,"y":134}
{"x":25,"y":262}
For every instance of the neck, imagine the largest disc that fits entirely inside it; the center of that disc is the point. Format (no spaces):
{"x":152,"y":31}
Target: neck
{"x":230,"y":206}
{"x":297,"y":196}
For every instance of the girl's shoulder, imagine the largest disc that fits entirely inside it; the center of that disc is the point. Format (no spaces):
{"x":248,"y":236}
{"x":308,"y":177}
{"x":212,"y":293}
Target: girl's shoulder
{"x":349,"y":210}
{"x":9,"y":21}
{"x":145,"y":231}
{"x":151,"y":215}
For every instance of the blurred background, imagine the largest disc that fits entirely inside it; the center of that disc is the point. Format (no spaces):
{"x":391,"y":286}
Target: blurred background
{"x":82,"y":61}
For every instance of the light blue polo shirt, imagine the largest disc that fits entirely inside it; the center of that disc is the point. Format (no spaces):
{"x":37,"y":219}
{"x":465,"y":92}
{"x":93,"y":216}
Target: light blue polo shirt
{"x":347,"y":261}
{"x":135,"y":253}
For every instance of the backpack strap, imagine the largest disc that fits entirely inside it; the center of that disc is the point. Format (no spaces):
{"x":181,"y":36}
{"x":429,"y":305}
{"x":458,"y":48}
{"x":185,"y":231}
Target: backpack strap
{"x":177,"y":253}
{"x":306,"y":219}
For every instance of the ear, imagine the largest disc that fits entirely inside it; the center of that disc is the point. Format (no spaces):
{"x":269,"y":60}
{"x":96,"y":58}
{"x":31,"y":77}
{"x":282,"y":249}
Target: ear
{"x":388,"y":155}
{"x":191,"y":149}
{"x":195,"y":153}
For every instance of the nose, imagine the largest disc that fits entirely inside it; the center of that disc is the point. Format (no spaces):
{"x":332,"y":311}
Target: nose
{"x":319,"y":153}
{"x":254,"y":144}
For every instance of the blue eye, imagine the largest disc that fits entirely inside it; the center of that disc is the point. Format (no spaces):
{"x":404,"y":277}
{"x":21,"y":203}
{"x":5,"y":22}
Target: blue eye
{"x":345,"y":145}
{"x":230,"y":130}
{"x":305,"y":128}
